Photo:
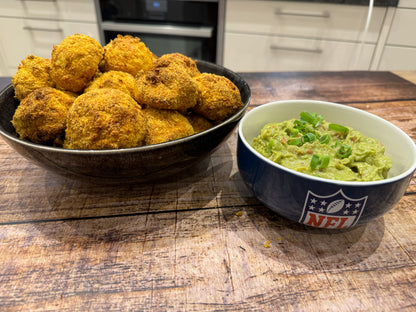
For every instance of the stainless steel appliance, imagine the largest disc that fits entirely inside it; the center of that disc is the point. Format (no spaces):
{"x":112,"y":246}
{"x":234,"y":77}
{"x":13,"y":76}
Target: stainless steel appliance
{"x":193,"y":28}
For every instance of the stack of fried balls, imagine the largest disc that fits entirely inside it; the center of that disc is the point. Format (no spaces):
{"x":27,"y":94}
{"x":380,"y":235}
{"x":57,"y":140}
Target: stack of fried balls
{"x":117,"y":96}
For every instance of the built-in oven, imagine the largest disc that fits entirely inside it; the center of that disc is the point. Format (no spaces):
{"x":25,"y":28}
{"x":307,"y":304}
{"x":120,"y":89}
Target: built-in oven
{"x":193,"y":28}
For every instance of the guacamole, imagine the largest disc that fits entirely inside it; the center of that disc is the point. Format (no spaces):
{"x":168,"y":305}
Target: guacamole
{"x":316,"y":147}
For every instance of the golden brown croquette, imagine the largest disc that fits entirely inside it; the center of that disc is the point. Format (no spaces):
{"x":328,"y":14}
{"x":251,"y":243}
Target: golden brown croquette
{"x":128,"y":54}
{"x":166,"y":88}
{"x":179,"y":60}
{"x":41,"y":116}
{"x":113,"y":79}
{"x":165,"y":125}
{"x":218,"y":99}
{"x":105,"y":119}
{"x":199,"y":123}
{"x":75,"y":61}
{"x":32,"y":73}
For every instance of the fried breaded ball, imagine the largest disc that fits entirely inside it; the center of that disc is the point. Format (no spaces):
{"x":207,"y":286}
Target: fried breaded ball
{"x":199,"y":123}
{"x":166,"y":88}
{"x":104,"y":119}
{"x":128,"y":54}
{"x":180,"y":60}
{"x":113,"y":79}
{"x":41,"y":116}
{"x":165,"y":125}
{"x":154,"y":57}
{"x":32,"y":73}
{"x":75,"y":61}
{"x":218,"y":99}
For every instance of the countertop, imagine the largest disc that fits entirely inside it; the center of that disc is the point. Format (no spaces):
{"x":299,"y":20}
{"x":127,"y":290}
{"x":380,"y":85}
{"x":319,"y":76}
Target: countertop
{"x":200,"y":241}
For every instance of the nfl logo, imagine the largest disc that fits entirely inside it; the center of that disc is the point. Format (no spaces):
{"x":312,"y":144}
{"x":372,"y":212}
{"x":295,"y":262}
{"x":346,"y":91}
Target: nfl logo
{"x":336,"y":211}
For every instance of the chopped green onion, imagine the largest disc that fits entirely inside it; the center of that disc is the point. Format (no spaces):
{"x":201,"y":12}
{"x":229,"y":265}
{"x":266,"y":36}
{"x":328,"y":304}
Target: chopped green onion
{"x":314,"y":161}
{"x":318,"y":120}
{"x":298,"y":123}
{"x":307,"y":129}
{"x":309,"y":137}
{"x":314,"y":119}
{"x":319,"y":162}
{"x":324,"y":139}
{"x":325,"y":161}
{"x":294,"y":132}
{"x":297,"y":142}
{"x":337,"y":143}
{"x":307,"y":117}
{"x":344,"y":151}
{"x":338,"y":128}
{"x":270,"y":146}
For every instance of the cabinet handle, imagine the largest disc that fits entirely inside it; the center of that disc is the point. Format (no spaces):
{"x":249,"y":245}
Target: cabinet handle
{"x":42,"y":29}
{"x":188,"y":31}
{"x":324,"y":14}
{"x":277,"y":47}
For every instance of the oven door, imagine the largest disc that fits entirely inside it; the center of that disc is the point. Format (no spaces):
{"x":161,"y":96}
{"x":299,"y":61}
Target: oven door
{"x":198,"y":42}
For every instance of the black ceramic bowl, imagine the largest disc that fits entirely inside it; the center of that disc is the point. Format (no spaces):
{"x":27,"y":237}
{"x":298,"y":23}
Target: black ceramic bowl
{"x":315,"y":201}
{"x":138,"y":164}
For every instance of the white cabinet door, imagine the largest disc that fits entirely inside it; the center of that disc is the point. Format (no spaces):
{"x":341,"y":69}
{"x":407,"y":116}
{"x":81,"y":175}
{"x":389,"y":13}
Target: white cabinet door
{"x":303,"y":19}
{"x":75,"y":10}
{"x":274,"y":53}
{"x":407,"y":4}
{"x":402,"y":30}
{"x":37,"y":37}
{"x":398,"y":58}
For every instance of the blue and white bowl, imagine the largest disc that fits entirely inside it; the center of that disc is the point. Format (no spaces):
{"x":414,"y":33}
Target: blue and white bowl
{"x":320,"y":202}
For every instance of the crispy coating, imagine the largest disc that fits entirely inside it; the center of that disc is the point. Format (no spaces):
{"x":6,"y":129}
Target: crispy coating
{"x":127,"y":54}
{"x":165,"y":125}
{"x":179,"y":60}
{"x":154,"y":57}
{"x":32,"y":73}
{"x":75,"y":61}
{"x":218,"y":99}
{"x":114,"y":79}
{"x":178,"y":100}
{"x":166,"y":88}
{"x":41,"y":116}
{"x":104,"y":119}
{"x":199,"y":123}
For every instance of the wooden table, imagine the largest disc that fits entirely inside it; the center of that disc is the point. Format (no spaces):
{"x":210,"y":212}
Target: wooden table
{"x":202,"y":242}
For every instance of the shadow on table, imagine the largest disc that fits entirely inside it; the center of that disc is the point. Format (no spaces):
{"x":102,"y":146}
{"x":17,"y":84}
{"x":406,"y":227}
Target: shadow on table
{"x":318,"y":249}
{"x":313,"y":247}
{"x":71,"y":209}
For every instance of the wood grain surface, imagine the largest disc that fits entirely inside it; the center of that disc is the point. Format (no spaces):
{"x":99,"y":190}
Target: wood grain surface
{"x":200,"y":241}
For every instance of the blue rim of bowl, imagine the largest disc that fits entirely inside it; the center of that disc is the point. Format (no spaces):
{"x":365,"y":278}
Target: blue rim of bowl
{"x":395,"y":178}
{"x":157,"y":146}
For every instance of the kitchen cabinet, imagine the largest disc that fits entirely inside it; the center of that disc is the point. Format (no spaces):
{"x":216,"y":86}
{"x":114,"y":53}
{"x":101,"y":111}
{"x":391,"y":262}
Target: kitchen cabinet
{"x":73,"y":10}
{"x":34,"y":27}
{"x":398,"y":58}
{"x":407,"y":4}
{"x":259,"y":34}
{"x":287,"y":35}
{"x":271,"y":53}
{"x":399,"y":51}
{"x":402,"y":29}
